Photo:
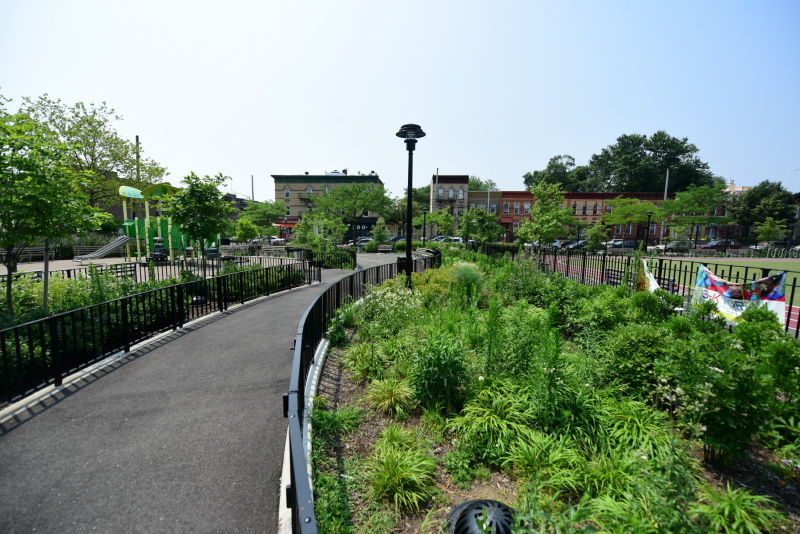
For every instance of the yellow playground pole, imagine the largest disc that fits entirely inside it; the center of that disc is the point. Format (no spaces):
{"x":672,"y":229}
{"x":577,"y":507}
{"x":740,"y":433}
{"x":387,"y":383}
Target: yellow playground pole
{"x":138,"y":243}
{"x":125,"y":218}
{"x":169,"y":239}
{"x":147,"y":227}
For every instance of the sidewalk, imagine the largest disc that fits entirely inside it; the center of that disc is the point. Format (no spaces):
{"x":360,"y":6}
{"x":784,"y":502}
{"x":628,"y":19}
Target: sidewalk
{"x":185,"y":434}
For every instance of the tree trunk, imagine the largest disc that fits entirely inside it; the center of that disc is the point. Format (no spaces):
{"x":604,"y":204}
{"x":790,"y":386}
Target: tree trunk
{"x":46,"y":275}
{"x":11,"y":267}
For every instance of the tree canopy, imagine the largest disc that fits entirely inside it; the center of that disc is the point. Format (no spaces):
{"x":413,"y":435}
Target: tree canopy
{"x":477,"y":184}
{"x":635,"y":163}
{"x":351,"y":201}
{"x":94,"y":148}
{"x":479,"y":225}
{"x":41,"y":196}
{"x":263,"y":214}
{"x":200,"y":208}
{"x":767,"y":199}
{"x":319,"y":230}
{"x":549,"y":216}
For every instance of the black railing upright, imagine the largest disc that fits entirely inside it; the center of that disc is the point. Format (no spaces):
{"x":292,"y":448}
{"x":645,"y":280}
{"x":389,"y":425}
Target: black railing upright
{"x":310,"y":332}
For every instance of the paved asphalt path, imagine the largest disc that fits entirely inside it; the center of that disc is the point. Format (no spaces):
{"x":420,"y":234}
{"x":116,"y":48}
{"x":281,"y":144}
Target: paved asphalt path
{"x":185,"y":434}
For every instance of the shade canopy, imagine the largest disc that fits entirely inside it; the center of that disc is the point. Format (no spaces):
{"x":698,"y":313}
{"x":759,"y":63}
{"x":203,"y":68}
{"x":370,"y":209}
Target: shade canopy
{"x":130,"y":192}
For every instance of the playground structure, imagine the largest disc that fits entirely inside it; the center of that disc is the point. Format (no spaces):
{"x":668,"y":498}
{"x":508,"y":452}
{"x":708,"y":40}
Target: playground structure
{"x":155,"y":238}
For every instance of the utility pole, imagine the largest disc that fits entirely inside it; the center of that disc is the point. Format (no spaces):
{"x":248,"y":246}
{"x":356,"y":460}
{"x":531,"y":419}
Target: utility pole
{"x":666,"y":185}
{"x":138,"y":175}
{"x":252,"y":189}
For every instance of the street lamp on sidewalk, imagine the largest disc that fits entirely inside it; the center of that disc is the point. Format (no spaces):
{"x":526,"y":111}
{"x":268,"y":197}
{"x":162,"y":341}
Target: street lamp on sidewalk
{"x":409,"y":132}
{"x":647,"y":231}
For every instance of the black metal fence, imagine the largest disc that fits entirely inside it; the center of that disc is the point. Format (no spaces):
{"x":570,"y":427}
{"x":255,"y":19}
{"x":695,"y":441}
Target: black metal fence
{"x":673,"y":274}
{"x":42,"y":352}
{"x":310,"y":332}
{"x":330,"y":259}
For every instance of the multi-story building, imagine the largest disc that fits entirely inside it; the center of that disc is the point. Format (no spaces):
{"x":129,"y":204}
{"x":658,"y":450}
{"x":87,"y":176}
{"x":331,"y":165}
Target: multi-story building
{"x":298,"y":190}
{"x":450,"y":191}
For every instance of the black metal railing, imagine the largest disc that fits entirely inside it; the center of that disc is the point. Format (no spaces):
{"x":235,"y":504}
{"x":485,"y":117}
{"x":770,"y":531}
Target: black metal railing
{"x":673,"y":274}
{"x":310,"y":332}
{"x":329,"y":259}
{"x":39,"y":353}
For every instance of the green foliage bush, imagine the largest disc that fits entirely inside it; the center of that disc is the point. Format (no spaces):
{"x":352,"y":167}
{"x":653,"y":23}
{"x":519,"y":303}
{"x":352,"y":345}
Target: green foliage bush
{"x":400,"y":472}
{"x":439,"y":375}
{"x":391,"y":396}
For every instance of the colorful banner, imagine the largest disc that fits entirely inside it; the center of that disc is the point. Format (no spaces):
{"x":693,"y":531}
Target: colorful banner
{"x":733,"y":298}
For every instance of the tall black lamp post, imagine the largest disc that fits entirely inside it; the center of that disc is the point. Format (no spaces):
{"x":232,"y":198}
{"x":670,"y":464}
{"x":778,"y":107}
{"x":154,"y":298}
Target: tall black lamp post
{"x":424,"y":223}
{"x":409,"y":132}
{"x":647,"y":231}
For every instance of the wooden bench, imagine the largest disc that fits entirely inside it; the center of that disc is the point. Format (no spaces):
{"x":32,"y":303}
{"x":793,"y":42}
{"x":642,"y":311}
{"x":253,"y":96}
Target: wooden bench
{"x":385,"y":248}
{"x":35,"y":252}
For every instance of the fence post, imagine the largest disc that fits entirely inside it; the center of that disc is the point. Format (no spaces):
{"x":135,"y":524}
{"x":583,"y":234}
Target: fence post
{"x":583,"y":266}
{"x":181,"y":305}
{"x":221,"y":300}
{"x":603,"y":277}
{"x":58,"y":355}
{"x":125,"y":321}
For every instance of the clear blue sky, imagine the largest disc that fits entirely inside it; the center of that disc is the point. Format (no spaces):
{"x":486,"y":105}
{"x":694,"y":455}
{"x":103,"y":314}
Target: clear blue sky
{"x":283,"y":87}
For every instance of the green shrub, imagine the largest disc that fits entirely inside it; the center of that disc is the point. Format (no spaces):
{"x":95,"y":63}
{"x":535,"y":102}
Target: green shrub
{"x":391,"y":396}
{"x":633,"y":351}
{"x":735,"y":510}
{"x":494,"y":420}
{"x":400,"y":473}
{"x":468,"y":282}
{"x":438,"y":373}
{"x":365,"y":362}
{"x":552,"y":460}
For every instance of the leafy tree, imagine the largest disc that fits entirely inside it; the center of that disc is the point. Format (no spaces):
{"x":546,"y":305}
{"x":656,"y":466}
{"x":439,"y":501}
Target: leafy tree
{"x":379,"y":232}
{"x":41,"y":198}
{"x":697,"y":206}
{"x":319,"y":230}
{"x":94,"y":148}
{"x":481,"y":226}
{"x":200,"y":208}
{"x":443,"y":220}
{"x":770,"y":230}
{"x":561,"y":170}
{"x":632,"y":211}
{"x":476,"y":184}
{"x":263,"y":214}
{"x":767,"y":199}
{"x":351,"y":201}
{"x":639,"y":163}
{"x":246,"y":230}
{"x":549,"y":216}
{"x":596,"y":236}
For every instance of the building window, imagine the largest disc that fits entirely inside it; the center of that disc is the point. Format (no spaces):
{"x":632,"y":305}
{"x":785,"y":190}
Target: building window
{"x":516,"y":208}
{"x":287,"y":192}
{"x":527,"y":207}
{"x":450,"y":194}
{"x":584,"y":208}
{"x":516,"y":225}
{"x":617,"y":228}
{"x":652,"y":228}
{"x":594,"y":209}
{"x":309,"y":190}
{"x":327,"y":189}
{"x":493,"y":208}
{"x":574,"y":208}
{"x":461,"y":194}
{"x":628,"y":229}
{"x":472,"y":205}
{"x":441,"y":193}
{"x":288,"y":212}
{"x":460,"y":212}
{"x":505,"y":207}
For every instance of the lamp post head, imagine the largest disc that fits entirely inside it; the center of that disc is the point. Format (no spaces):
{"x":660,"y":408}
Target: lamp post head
{"x":425,"y":209}
{"x":410,"y":131}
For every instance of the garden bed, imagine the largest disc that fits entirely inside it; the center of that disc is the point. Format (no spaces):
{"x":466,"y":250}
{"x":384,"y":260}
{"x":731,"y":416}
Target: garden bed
{"x":583,"y":408}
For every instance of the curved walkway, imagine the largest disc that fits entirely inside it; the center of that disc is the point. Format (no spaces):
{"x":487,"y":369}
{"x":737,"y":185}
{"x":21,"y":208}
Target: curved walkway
{"x":184,"y":434}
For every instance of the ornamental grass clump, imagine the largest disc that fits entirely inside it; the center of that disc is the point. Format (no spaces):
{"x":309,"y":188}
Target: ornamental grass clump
{"x":391,"y":396}
{"x":400,"y":472}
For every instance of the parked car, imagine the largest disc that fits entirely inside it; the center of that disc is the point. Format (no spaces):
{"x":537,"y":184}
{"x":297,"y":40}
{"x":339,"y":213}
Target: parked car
{"x":560,"y":243}
{"x":765,"y":245}
{"x":681,"y":245}
{"x":397,"y":238}
{"x":454,"y":240}
{"x":621,"y":243}
{"x":577,"y":244}
{"x":274,"y":240}
{"x":439,"y":238}
{"x":720,"y":244}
